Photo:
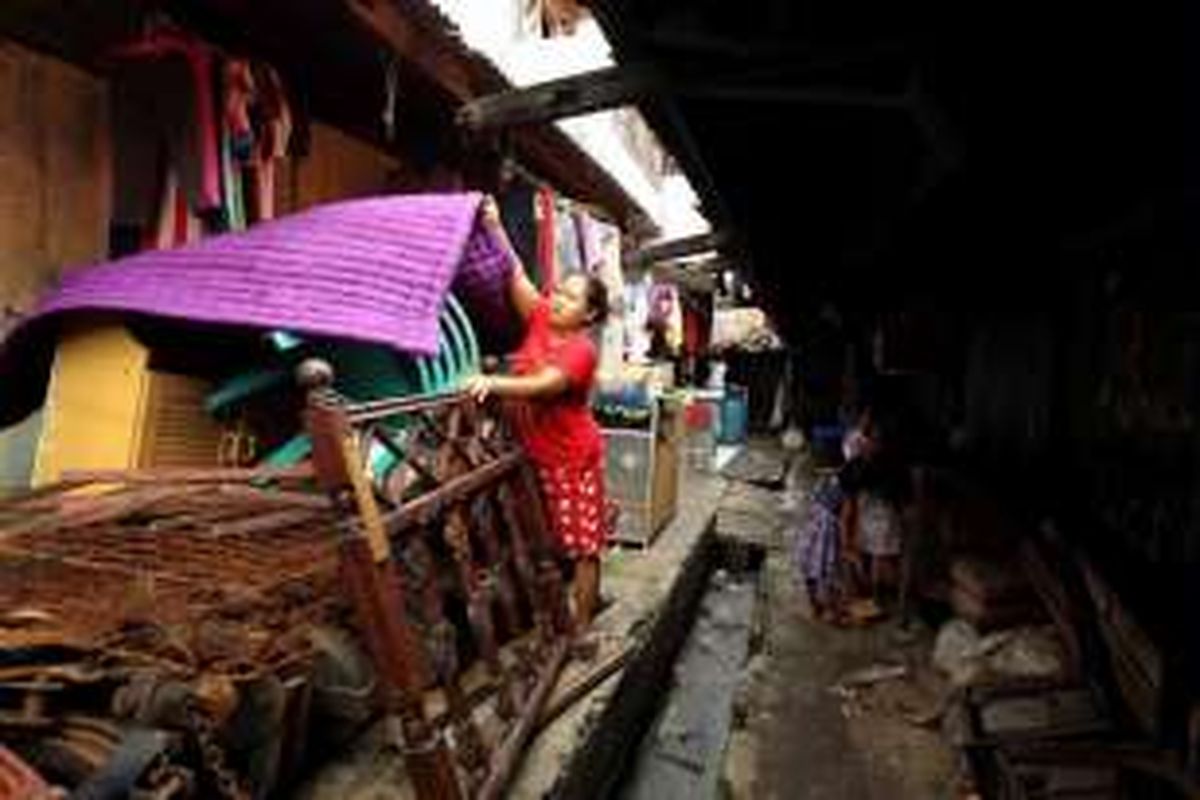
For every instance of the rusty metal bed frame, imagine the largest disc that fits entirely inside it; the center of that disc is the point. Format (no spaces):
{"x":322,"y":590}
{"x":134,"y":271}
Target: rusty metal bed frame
{"x":215,"y":577}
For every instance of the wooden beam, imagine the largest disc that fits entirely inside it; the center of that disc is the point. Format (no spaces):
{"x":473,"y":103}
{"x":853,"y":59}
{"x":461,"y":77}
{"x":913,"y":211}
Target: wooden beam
{"x":615,"y":86}
{"x":676,"y":248}
{"x":566,"y":97}
{"x":413,"y":42}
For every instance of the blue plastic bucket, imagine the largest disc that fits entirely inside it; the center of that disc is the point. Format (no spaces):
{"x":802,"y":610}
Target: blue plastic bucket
{"x":735,"y":415}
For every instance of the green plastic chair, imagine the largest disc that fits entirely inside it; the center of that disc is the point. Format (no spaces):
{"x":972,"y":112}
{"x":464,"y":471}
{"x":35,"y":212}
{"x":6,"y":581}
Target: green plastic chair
{"x":363,"y":373}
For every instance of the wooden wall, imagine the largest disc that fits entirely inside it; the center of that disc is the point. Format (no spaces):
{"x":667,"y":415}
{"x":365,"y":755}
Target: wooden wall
{"x":55,"y":171}
{"x":337,"y":166}
{"x":56,"y":191}
{"x":56,"y":176}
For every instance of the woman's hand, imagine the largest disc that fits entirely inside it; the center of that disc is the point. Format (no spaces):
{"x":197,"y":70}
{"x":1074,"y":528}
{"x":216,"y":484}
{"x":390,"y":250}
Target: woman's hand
{"x":521,"y":291}
{"x":479,"y":387}
{"x":546,"y":383}
{"x":490,"y":210}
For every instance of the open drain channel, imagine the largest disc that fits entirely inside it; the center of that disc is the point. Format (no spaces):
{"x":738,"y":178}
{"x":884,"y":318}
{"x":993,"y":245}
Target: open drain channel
{"x":665,"y":734}
{"x":682,"y":754}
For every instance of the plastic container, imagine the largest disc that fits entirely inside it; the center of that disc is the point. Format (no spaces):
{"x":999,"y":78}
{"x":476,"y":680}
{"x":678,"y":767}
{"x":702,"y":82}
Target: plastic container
{"x":700,"y":418}
{"x":735,"y":415}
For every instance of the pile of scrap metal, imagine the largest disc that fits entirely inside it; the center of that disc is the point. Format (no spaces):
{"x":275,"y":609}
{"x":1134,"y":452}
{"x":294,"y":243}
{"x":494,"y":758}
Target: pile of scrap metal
{"x":194,"y":633}
{"x":1109,"y":722}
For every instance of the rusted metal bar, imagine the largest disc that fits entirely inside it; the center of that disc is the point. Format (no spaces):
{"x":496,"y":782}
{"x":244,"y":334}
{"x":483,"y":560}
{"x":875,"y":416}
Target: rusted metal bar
{"x":177,"y":475}
{"x":479,"y":609}
{"x":453,"y":430}
{"x":508,"y":755}
{"x":462,"y":434}
{"x":423,"y":509}
{"x":375,"y":589}
{"x":41,"y":497}
{"x":444,"y":654}
{"x":474,"y":583}
{"x":549,"y":575}
{"x":522,"y":561}
{"x":338,"y":464}
{"x":271,"y":497}
{"x":91,"y":510}
{"x":54,"y":502}
{"x":245,"y":518}
{"x":260,"y":523}
{"x":359,"y":413}
{"x":484,"y":516}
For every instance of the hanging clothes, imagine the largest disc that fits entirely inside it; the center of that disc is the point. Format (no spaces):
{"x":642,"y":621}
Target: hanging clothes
{"x":697,"y":321}
{"x":547,"y":253}
{"x":590,"y":247}
{"x":662,"y":298}
{"x":196,"y":139}
{"x":166,"y":224}
{"x":817,"y":546}
{"x":606,"y":260}
{"x":237,"y":137}
{"x":566,"y":240}
{"x":239,"y":93}
{"x":272,"y":119}
{"x":231,"y":184}
{"x":163,"y":117}
{"x":517,"y":209}
{"x":637,"y":311}
{"x":257,"y":125}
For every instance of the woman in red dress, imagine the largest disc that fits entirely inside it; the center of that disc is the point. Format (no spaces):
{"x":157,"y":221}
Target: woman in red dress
{"x":553,"y":372}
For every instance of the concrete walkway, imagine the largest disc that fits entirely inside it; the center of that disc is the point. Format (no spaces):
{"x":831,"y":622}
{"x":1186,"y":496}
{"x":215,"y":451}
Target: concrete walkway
{"x":641,"y":584}
{"x":793,"y":735}
{"x":801,"y":738}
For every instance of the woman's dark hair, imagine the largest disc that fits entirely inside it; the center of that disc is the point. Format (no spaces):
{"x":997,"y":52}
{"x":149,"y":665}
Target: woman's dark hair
{"x":597,"y":300}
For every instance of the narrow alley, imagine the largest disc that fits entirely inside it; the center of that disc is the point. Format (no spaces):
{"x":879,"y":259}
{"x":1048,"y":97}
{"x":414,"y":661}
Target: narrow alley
{"x":573,"y":399}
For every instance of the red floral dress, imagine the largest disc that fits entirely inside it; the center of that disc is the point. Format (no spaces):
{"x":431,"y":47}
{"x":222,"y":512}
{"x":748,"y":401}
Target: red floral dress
{"x":562,"y":438}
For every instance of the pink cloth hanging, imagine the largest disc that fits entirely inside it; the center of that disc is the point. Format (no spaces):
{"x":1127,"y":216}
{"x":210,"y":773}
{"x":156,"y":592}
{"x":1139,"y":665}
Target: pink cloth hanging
{"x":199,"y":56}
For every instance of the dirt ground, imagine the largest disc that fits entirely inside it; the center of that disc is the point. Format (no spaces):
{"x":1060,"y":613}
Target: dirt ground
{"x":825,"y":712}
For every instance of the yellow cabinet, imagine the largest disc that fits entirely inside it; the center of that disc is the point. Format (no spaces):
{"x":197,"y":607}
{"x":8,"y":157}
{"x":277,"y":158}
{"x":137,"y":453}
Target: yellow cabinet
{"x":106,"y":409}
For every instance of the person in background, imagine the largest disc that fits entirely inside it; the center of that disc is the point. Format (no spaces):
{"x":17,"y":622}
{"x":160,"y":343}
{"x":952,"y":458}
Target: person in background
{"x":861,"y":441}
{"x":870,"y":516}
{"x":817,"y":554}
{"x":552,"y":374}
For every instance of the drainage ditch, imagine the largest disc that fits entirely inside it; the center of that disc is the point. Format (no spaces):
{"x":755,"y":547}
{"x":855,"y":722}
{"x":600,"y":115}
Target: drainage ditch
{"x":664,"y":735}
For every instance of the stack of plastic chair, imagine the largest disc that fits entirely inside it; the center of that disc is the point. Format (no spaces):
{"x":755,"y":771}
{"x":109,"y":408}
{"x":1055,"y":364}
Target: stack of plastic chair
{"x":362,"y":373}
